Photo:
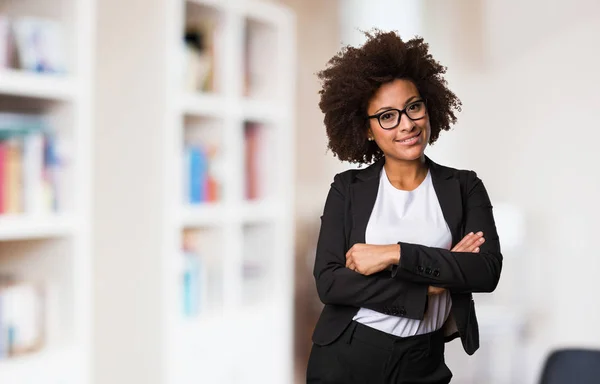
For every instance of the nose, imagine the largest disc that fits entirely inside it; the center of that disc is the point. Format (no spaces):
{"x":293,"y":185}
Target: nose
{"x":406,"y":124}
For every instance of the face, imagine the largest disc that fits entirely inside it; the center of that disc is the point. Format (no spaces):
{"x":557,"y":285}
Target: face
{"x":408,"y":140}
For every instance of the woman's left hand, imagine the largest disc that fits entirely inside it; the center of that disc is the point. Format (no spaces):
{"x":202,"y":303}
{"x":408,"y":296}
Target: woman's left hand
{"x":368,"y":259}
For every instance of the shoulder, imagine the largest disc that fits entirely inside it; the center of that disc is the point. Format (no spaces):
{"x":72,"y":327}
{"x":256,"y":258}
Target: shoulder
{"x":363,"y":173}
{"x":346,"y":178}
{"x":463,"y":175}
{"x":467,"y":178}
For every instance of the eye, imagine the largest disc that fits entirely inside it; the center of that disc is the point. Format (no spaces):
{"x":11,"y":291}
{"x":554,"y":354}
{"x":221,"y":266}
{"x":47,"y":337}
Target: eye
{"x":388,"y":116}
{"x":415,"y":107}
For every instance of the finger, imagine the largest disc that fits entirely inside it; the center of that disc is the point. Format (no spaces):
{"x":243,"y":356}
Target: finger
{"x":461,"y":246}
{"x":473,"y":242}
{"x":349,"y":253}
{"x":476,"y":244}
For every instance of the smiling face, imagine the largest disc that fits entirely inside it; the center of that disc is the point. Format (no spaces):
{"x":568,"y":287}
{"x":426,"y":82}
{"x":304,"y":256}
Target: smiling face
{"x":407,"y":141}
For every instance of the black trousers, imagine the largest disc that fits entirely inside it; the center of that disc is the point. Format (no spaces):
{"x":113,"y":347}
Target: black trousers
{"x":364,"y":355}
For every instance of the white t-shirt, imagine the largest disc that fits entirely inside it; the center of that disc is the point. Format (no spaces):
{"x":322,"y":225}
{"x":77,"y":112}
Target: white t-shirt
{"x":413,"y":217}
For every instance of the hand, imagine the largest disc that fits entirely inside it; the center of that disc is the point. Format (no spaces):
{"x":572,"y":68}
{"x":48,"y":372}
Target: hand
{"x":368,"y":259}
{"x":431,"y":290}
{"x":469,"y":243}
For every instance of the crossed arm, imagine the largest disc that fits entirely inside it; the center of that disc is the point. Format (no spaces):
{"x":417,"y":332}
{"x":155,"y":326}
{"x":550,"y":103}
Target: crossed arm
{"x":359,"y":277}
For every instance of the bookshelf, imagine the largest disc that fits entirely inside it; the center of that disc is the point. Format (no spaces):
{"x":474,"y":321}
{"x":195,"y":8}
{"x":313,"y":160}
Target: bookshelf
{"x":45,"y":179}
{"x":244,"y":236}
{"x":185,"y":262}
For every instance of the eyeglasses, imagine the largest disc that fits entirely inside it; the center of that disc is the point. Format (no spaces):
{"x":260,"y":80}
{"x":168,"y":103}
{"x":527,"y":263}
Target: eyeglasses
{"x":390,"y":119}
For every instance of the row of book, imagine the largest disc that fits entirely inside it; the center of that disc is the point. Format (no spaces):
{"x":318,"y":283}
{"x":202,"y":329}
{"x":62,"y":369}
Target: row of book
{"x":200,"y":177}
{"x":21,"y":317}
{"x":193,"y":275}
{"x":30,"y":167}
{"x":201,"y":43}
{"x":199,"y":56}
{"x":32,"y":44}
{"x":259,"y":158}
{"x":201,"y":270}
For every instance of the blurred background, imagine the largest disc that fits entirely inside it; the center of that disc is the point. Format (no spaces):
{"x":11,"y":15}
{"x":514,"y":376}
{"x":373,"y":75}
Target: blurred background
{"x":163,"y":169}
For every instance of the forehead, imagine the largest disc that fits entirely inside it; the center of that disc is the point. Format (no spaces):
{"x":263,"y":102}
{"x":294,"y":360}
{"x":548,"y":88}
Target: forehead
{"x":393,"y":94}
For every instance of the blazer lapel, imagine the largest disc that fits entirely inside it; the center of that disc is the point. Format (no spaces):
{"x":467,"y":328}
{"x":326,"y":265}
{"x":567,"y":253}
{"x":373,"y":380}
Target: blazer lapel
{"x":447,"y":189}
{"x":362,"y":199}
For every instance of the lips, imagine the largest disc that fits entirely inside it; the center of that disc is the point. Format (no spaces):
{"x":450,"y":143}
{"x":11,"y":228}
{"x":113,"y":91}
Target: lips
{"x":410,"y":140}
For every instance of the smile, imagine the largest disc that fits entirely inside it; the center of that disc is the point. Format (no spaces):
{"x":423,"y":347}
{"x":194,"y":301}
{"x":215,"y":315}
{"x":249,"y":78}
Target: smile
{"x":411,"y":140}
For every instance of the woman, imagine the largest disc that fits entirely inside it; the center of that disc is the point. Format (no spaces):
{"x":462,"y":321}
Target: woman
{"x":404,"y":242}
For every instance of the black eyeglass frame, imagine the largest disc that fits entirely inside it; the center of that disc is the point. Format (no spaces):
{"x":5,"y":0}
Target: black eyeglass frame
{"x":400,"y":113}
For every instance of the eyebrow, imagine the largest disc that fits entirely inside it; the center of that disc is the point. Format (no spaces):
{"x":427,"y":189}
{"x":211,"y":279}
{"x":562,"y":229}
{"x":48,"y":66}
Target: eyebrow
{"x":406,"y":102}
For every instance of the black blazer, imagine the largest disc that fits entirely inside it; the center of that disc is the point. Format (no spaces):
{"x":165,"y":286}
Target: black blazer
{"x":403,"y":290}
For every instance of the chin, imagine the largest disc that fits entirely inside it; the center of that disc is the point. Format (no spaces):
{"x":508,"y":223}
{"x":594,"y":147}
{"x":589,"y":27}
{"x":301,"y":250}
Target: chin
{"x":410,"y":154}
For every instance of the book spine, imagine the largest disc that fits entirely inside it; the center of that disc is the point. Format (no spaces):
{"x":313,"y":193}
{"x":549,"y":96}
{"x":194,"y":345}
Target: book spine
{"x":33,"y":168}
{"x":3,"y":179}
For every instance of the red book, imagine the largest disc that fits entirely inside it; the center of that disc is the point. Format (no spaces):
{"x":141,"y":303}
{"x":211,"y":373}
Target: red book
{"x":251,"y":136}
{"x":3,"y":181}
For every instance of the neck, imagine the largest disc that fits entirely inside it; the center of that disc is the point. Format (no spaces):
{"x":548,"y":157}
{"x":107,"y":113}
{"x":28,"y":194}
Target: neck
{"x":406,"y":174}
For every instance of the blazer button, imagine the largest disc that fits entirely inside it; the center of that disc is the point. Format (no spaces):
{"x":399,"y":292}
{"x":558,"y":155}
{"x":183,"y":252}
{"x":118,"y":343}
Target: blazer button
{"x":402,"y":311}
{"x":420,"y":268}
{"x":428,"y":271}
{"x":436,"y":273}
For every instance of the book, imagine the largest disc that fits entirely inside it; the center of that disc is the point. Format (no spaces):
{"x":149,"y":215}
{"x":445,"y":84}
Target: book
{"x":39,"y":44}
{"x":199,"y":56}
{"x":30,"y":165}
{"x":5,"y":42}
{"x":260,"y":147}
{"x":22,"y":319}
{"x":201,"y":183}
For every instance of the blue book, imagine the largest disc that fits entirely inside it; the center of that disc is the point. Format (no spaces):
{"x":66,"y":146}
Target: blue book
{"x":191,"y":284}
{"x":198,"y":166}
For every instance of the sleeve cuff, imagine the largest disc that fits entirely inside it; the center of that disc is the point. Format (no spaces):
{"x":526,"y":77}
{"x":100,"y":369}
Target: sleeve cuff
{"x":408,"y":258}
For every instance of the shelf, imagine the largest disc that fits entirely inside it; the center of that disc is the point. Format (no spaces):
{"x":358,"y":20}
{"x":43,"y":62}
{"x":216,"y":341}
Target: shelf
{"x":203,"y":215}
{"x":35,"y":85}
{"x":217,"y":4}
{"x":213,"y":214}
{"x":20,"y":227}
{"x":260,"y":110}
{"x":203,"y":105}
{"x":260,"y":211}
{"x":54,"y":366}
{"x":265,"y":12}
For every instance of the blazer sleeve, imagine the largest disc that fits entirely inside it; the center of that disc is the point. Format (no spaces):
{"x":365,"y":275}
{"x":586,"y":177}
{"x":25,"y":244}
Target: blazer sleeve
{"x":458,"y":271}
{"x":339,"y":285}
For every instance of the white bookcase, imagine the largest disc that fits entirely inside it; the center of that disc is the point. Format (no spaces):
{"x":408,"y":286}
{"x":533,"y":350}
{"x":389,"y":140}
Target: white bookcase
{"x":53,"y":249}
{"x":148,"y":117}
{"x":243,"y":333}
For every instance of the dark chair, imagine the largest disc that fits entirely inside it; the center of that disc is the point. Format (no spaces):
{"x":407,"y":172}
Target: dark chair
{"x":572,"y":366}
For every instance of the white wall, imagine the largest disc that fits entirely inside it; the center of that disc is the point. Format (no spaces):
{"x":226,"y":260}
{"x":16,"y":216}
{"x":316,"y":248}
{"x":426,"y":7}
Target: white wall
{"x":528,"y":75}
{"x":529,"y":127}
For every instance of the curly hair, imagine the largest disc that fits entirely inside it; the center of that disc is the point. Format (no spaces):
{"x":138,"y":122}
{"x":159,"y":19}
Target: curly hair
{"x":352,"y":77}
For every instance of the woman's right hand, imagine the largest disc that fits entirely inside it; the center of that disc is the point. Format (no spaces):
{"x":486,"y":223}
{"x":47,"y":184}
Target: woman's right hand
{"x":469,"y":243}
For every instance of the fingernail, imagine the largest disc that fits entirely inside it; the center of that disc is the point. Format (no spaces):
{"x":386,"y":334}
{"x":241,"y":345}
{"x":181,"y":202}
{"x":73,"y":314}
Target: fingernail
{"x":480,"y":233}
{"x":477,"y":249}
{"x":481,"y":240}
{"x":470,"y":234}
